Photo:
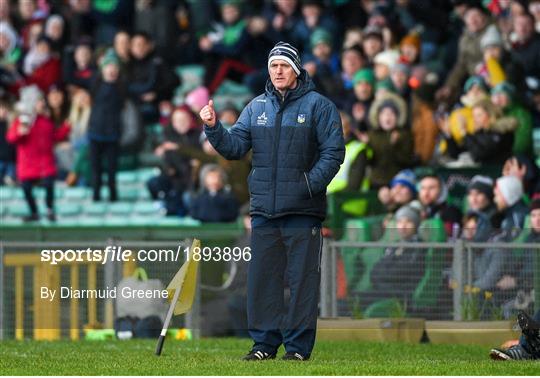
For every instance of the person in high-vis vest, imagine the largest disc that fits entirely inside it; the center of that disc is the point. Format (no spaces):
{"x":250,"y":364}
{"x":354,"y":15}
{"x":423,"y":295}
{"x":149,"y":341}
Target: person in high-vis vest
{"x":349,"y":176}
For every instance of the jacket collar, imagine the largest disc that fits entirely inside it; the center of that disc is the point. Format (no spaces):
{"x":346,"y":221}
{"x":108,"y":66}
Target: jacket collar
{"x":305,"y":85}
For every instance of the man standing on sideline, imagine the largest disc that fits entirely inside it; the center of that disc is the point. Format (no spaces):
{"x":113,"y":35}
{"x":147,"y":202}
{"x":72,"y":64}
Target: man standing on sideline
{"x":298,"y":147}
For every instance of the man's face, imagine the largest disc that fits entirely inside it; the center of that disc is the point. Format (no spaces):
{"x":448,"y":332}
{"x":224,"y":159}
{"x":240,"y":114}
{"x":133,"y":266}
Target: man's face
{"x":322,"y":51}
{"x":535,"y":220}
{"x":477,"y":200}
{"x":399,"y":79}
{"x":401,"y":194}
{"x":181,"y":121}
{"x":523,"y":27}
{"x":474,"y":20}
{"x":282,"y":75}
{"x":430,"y":190}
{"x":372,"y":45}
{"x":363,"y":90}
{"x":351,"y":62}
{"x":405,"y":228}
{"x":83,"y":56}
{"x":213,"y":181}
{"x":122,"y":44}
{"x":140,"y":47}
{"x":499,"y":200}
{"x":230,"y":14}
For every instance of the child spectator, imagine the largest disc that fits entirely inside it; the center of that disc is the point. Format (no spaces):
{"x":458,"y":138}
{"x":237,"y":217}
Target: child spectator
{"x":80,"y":72}
{"x":526,"y":171}
{"x":34,"y":136}
{"x":176,"y":176}
{"x":409,"y":47}
{"x":7,"y":152}
{"x":387,"y":117}
{"x":400,"y":192}
{"x":104,"y":126}
{"x":215,"y":201}
{"x":384,"y":61}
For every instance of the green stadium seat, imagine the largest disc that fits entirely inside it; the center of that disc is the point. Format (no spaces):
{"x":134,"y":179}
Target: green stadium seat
{"x":188,"y":221}
{"x":98,"y":209}
{"x":12,"y":221}
{"x":143,"y":175}
{"x":77,"y":193}
{"x":6,"y":192}
{"x":18,"y":209}
{"x":68,"y":209}
{"x":116,"y":221}
{"x":129,"y":193}
{"x":120,"y":208}
{"x":90,"y":221}
{"x":147,"y":208}
{"x":126,"y":177}
{"x":4,"y":209}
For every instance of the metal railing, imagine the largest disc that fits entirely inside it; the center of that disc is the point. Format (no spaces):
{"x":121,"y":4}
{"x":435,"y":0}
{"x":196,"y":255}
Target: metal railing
{"x":456,"y":264}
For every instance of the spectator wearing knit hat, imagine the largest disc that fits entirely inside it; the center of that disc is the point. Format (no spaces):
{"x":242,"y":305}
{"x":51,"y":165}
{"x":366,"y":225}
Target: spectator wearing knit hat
{"x":387,"y":116}
{"x":397,"y":274}
{"x":480,"y":195}
{"x":512,"y":210}
{"x":359,"y":104}
{"x":104,"y":125}
{"x":504,"y":97}
{"x":400,"y":192}
{"x":322,"y":63}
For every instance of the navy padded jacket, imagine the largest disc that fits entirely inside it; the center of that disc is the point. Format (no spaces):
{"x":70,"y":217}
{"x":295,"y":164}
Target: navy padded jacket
{"x":297,"y":144}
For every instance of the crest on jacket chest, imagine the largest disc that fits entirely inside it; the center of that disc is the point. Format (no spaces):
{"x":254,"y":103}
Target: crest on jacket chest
{"x":301,"y":118}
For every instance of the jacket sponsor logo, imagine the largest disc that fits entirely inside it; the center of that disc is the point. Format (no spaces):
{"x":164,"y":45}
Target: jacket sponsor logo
{"x":261,"y":120}
{"x":301,"y":118}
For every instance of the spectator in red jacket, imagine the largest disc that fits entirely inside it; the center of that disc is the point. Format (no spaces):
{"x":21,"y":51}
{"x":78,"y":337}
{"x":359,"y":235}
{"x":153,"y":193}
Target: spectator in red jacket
{"x":34,"y":136}
{"x":41,"y":67}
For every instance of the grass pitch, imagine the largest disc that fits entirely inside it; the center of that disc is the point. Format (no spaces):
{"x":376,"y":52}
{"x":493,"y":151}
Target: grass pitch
{"x":223,"y":357}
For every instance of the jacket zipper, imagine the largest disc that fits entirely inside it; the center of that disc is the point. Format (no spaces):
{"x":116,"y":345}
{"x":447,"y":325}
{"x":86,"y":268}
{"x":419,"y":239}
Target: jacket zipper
{"x":277,"y":126}
{"x":308,"y":187}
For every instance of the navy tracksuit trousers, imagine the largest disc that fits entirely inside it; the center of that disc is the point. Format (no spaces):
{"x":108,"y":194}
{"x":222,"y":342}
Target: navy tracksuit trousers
{"x":285,"y":250}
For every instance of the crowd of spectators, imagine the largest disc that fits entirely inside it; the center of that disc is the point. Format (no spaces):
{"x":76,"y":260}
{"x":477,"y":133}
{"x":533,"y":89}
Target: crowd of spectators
{"x":444,"y":83}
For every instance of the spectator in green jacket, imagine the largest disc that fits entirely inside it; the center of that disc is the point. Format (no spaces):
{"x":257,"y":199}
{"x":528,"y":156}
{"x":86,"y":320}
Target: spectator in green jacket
{"x":503,"y":97}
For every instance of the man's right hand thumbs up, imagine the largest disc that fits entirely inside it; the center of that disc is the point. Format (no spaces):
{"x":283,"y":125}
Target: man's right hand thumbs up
{"x":208,"y":114}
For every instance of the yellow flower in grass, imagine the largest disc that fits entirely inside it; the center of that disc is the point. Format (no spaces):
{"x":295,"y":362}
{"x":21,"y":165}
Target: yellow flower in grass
{"x":467,"y":289}
{"x":488,"y":295}
{"x":453,"y":284}
{"x":475,"y":290}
